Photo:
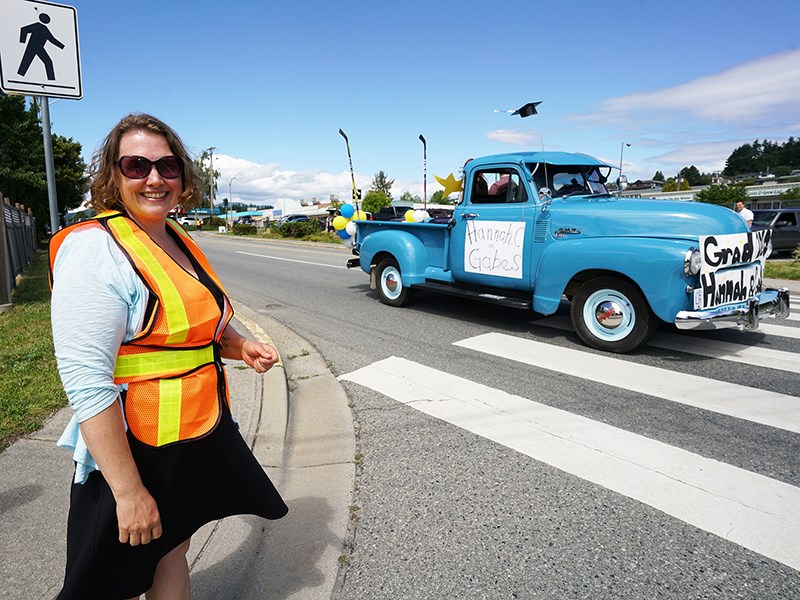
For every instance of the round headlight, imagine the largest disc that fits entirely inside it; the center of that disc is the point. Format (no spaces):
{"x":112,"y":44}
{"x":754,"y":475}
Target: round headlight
{"x":691,"y":262}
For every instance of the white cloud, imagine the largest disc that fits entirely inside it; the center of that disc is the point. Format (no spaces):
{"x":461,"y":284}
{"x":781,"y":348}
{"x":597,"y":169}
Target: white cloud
{"x":267,"y":183}
{"x":511,"y":136}
{"x":766,"y":89}
{"x":707,"y":157}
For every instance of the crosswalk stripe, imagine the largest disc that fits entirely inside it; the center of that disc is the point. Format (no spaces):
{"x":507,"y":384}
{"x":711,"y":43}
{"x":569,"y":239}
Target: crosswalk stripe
{"x":760,"y":406}
{"x":771,"y":328}
{"x":748,"y":509}
{"x":794,"y":317}
{"x":752,"y":355}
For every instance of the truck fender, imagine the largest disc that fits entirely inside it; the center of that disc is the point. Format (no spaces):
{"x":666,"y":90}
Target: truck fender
{"x":405,"y":248}
{"x":659,"y":276}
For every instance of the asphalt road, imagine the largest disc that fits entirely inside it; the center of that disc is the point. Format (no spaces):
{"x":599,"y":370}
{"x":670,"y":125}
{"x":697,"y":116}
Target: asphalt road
{"x":462,"y":510}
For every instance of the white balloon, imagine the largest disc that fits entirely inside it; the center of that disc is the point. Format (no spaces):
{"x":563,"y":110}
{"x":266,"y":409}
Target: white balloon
{"x":420,"y":216}
{"x":351,"y":228}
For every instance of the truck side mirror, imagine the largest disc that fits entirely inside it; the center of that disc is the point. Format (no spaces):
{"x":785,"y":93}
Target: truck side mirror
{"x":546,"y":197}
{"x":622,"y":182}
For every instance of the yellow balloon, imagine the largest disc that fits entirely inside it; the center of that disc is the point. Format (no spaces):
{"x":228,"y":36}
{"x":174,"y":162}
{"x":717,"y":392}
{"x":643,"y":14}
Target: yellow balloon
{"x":409,"y":216}
{"x":359,"y":215}
{"x":340,"y":223}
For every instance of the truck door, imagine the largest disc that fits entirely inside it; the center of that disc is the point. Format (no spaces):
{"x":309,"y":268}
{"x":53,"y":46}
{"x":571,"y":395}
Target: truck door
{"x":785,"y":231}
{"x":491,"y":239}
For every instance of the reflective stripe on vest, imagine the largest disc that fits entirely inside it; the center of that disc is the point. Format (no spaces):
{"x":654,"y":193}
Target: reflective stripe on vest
{"x":161,"y":363}
{"x":175,"y":312}
{"x":169,"y":415}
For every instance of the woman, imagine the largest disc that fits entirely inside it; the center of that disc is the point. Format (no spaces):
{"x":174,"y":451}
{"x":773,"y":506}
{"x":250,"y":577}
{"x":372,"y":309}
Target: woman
{"x":141,"y":325}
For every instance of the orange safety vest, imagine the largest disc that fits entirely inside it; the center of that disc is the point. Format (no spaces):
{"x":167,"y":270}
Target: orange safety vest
{"x":173,"y":366}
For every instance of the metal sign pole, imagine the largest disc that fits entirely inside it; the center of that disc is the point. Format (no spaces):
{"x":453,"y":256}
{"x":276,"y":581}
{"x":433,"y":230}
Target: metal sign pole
{"x":49,"y":165}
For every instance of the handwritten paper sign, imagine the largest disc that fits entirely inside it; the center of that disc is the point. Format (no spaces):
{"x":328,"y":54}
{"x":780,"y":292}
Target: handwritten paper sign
{"x":722,"y":285}
{"x":721,"y":251}
{"x":728,"y":287}
{"x":494,"y":248}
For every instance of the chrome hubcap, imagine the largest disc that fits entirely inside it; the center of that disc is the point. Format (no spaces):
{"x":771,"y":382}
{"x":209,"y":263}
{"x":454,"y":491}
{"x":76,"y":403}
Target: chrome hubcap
{"x":609,"y":314}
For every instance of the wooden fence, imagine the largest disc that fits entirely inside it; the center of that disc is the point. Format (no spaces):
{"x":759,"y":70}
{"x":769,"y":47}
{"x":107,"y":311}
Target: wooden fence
{"x":17,"y":245}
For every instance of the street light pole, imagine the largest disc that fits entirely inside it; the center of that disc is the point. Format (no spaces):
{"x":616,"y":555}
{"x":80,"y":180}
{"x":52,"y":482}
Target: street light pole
{"x":621,"y":150}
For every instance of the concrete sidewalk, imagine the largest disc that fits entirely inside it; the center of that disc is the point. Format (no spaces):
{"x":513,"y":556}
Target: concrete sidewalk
{"x":794,"y":287}
{"x":296,"y":419}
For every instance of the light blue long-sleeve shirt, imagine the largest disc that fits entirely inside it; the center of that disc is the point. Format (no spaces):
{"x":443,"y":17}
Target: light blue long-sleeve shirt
{"x":98,"y":302}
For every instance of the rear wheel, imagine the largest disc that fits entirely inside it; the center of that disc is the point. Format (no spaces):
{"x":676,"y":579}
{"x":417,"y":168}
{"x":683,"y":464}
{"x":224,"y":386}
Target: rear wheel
{"x":610,"y":314}
{"x":390,"y":284}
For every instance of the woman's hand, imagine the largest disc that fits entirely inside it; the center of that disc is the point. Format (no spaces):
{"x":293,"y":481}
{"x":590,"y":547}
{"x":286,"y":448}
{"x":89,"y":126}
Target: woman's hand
{"x":259,"y":355}
{"x":138,"y":517}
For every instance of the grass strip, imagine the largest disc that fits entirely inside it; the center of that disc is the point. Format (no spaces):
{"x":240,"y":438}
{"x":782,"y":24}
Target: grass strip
{"x":780,"y":269}
{"x":30,"y":388}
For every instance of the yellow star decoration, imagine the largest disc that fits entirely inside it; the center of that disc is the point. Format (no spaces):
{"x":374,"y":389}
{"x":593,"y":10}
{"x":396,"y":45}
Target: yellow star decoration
{"x":450,"y":185}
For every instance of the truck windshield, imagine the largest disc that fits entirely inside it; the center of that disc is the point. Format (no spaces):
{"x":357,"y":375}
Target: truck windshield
{"x":569,"y":180}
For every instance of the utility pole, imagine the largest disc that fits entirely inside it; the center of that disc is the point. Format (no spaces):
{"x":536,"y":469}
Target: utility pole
{"x":230,"y":198}
{"x":211,"y":184}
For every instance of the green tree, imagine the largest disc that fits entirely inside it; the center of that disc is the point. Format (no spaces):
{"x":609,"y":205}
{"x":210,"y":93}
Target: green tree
{"x":674,"y":185}
{"x":695,"y":177}
{"x":203,"y":164}
{"x":374,"y":201}
{"x":22,"y":168}
{"x":72,"y":180}
{"x":438,"y":199}
{"x":659,"y":176}
{"x":761,"y":157}
{"x":742,"y":160}
{"x":22,"y":171}
{"x":409,"y":197}
{"x":723,"y":195}
{"x":382,"y":183}
{"x":781,"y":170}
{"x":790,"y":197}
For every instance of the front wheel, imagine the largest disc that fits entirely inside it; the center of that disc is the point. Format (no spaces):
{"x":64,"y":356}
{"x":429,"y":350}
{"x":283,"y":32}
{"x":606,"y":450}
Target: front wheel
{"x":390,"y":284}
{"x":610,"y":314}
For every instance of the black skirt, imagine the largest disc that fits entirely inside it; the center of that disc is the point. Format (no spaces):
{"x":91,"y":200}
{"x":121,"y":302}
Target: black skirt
{"x":193,"y":483}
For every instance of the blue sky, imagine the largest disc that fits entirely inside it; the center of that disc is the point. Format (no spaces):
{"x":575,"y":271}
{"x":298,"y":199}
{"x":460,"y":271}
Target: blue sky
{"x":270,"y":84}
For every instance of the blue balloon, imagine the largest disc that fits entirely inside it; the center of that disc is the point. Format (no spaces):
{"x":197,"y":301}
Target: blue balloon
{"x":342,"y":233}
{"x":347,"y":210}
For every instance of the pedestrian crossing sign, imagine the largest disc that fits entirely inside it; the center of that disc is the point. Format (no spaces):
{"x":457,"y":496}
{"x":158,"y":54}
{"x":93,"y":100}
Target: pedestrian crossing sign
{"x":39,"y":50}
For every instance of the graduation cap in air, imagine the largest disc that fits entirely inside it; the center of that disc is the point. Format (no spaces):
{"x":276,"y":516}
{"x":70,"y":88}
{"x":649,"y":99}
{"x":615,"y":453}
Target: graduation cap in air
{"x":523,"y":111}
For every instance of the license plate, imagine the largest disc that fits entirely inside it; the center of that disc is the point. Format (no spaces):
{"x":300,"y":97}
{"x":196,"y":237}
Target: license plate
{"x":734,"y":286}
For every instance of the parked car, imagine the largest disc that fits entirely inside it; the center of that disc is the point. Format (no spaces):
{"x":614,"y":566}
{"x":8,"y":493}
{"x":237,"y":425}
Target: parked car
{"x":186,"y":221}
{"x":391,"y":213}
{"x":785,"y":226}
{"x":245,"y":220}
{"x":293,"y":219}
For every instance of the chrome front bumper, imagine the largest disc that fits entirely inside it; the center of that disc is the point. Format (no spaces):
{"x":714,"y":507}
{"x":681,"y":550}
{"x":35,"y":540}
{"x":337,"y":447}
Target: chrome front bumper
{"x":770,"y":303}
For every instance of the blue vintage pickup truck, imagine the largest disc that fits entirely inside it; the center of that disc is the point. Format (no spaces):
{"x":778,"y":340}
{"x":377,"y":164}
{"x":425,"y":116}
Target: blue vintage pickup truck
{"x":534,"y":227}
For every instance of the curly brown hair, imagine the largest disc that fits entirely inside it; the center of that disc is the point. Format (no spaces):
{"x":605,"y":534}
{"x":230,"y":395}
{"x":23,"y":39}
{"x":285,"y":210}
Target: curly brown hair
{"x":103,"y":170}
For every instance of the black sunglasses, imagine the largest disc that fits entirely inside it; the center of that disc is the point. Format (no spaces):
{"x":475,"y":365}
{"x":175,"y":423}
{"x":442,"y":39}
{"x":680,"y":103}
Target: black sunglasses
{"x":138,"y":167}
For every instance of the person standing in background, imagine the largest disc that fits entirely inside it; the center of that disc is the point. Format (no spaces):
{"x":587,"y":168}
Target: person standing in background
{"x":745,"y":213}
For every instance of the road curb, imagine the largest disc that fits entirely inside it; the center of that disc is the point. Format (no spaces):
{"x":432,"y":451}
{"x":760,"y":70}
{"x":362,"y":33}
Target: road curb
{"x":306,"y":443}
